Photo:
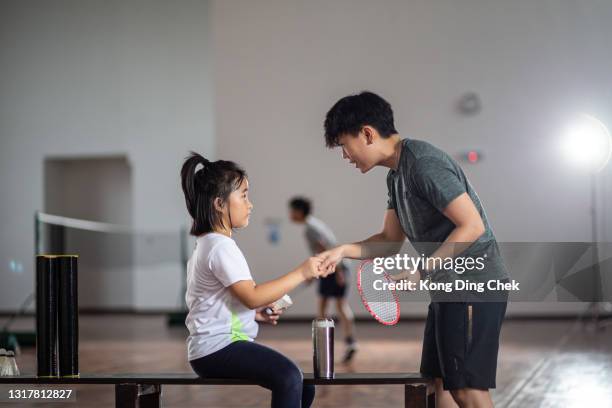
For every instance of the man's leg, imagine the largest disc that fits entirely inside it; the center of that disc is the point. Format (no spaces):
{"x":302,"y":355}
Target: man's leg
{"x":444,"y":399}
{"x":468,"y":345}
{"x":472,"y":398}
{"x":430,"y":362}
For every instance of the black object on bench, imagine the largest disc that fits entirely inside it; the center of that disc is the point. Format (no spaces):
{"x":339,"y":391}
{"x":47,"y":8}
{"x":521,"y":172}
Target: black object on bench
{"x":144,"y":390}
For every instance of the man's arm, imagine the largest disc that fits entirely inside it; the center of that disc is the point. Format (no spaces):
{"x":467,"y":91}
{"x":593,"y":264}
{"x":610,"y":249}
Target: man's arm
{"x":387,"y":242}
{"x":468,"y":227}
{"x":439,"y":183}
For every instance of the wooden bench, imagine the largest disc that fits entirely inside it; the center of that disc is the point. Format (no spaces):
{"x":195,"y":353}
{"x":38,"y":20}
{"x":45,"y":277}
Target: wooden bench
{"x":144,"y":390}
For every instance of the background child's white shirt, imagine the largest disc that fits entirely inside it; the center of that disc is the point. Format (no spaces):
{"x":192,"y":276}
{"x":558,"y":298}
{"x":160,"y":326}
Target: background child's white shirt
{"x":216,"y":318}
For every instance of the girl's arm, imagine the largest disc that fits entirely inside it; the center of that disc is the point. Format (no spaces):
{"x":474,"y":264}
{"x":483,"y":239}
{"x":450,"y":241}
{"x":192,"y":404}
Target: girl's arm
{"x":253,"y":295}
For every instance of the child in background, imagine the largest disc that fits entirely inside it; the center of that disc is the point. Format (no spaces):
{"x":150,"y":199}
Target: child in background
{"x":321,"y":238}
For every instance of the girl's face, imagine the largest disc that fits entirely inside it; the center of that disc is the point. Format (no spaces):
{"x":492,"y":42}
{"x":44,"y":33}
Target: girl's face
{"x":239,"y":206}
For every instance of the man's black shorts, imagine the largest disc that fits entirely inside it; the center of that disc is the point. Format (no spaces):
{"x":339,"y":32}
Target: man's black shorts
{"x":461,"y":342}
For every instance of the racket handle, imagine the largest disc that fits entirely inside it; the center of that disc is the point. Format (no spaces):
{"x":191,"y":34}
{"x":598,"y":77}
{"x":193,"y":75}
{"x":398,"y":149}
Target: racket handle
{"x":269,"y":311}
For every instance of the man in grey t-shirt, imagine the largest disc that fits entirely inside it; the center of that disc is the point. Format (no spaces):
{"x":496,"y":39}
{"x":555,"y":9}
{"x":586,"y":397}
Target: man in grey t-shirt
{"x":430,"y":202}
{"x":422,"y":186}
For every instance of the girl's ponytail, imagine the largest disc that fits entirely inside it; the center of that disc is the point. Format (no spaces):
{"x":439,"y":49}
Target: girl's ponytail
{"x":188,"y":181}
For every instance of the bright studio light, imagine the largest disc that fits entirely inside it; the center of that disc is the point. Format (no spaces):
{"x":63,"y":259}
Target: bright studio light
{"x":587,"y":143}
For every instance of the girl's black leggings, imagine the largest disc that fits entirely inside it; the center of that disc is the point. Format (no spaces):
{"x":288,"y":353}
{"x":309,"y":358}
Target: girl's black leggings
{"x":263,"y":365}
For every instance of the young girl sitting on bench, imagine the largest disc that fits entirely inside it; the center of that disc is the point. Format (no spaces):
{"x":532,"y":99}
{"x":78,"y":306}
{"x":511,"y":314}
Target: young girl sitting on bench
{"x":223,"y":300}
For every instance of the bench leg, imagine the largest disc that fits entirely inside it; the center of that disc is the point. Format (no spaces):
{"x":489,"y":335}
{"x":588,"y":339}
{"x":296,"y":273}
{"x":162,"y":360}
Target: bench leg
{"x":137,"y":396}
{"x":431,"y":399}
{"x":416,"y":396}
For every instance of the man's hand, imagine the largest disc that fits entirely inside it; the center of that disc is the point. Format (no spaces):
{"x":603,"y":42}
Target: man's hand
{"x":407,"y":276}
{"x":262,"y":316}
{"x":331,"y":258}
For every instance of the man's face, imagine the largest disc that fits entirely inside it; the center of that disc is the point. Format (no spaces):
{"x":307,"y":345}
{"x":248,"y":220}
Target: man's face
{"x":359,"y":150}
{"x":296,"y":216}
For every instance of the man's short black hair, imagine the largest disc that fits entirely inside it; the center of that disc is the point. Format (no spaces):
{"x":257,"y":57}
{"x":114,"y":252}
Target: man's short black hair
{"x":301,"y":204}
{"x":352,"y":112}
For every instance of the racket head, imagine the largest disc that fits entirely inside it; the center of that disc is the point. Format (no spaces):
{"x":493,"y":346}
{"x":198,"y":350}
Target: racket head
{"x":383,"y":305}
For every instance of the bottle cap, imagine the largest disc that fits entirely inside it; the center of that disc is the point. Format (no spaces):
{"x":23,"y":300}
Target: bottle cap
{"x":322,"y":323}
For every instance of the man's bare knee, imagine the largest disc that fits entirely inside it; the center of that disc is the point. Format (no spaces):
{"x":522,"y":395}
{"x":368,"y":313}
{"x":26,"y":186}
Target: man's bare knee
{"x":444,"y":398}
{"x":460,"y":395}
{"x":472,"y":397}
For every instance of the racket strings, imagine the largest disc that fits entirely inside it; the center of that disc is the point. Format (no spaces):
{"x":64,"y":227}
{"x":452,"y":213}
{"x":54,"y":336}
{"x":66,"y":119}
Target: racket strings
{"x":381,"y":302}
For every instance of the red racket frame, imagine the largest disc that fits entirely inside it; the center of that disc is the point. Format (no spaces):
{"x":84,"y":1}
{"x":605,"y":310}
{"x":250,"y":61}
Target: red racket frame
{"x":365,"y":303}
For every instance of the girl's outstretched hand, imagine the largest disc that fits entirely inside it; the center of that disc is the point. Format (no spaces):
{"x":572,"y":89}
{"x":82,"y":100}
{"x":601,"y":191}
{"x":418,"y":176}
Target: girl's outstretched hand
{"x":312,"y":269}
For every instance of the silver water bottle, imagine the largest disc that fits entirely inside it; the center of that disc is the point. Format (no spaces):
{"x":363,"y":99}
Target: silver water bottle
{"x":323,"y":348}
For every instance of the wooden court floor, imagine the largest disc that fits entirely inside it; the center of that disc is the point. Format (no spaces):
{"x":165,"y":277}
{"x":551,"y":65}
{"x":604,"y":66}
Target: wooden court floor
{"x":543,"y":363}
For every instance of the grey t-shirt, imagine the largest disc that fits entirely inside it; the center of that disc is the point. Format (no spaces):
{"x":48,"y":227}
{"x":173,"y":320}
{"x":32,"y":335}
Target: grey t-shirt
{"x":318,"y":233}
{"x":425,"y":182}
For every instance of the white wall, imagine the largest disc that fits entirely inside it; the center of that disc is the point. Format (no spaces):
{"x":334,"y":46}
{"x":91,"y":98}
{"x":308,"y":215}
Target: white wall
{"x":96,"y":188}
{"x":87,"y":78}
{"x":280,"y":65}
{"x":81,"y":78}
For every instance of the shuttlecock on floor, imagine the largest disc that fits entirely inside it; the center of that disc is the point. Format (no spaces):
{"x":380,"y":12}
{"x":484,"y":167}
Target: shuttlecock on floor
{"x":3,"y":363}
{"x":12,"y":363}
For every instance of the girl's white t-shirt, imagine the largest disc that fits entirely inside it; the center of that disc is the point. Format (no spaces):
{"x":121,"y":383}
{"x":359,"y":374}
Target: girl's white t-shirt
{"x":216,"y":318}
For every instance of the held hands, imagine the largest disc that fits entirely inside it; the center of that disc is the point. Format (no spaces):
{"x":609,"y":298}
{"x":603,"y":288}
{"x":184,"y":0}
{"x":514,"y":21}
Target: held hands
{"x":312,"y":268}
{"x":323,"y":264}
{"x":331,"y":258}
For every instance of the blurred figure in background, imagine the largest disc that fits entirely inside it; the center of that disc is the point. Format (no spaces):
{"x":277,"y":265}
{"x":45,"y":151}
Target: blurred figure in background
{"x":321,"y":238}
